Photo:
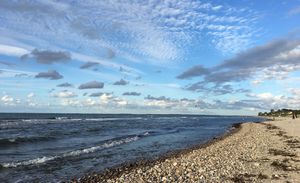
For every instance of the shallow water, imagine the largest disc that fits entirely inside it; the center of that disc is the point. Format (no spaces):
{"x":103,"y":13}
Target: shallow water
{"x":57,"y":147}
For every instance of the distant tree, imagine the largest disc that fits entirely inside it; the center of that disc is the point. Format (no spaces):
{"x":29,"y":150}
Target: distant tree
{"x":280,"y":112}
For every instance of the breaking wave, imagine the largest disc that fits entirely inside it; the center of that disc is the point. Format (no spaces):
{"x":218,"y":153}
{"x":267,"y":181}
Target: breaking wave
{"x":79,"y":152}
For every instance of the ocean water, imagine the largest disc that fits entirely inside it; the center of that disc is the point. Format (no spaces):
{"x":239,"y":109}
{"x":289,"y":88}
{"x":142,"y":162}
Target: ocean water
{"x":58,"y":147}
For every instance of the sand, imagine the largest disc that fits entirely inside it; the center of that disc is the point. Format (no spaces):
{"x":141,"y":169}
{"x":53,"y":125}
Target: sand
{"x":257,"y":152}
{"x":289,"y":125}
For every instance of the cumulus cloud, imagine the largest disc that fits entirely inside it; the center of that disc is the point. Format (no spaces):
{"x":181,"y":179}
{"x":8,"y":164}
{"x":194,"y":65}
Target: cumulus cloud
{"x":131,"y":93}
{"x":88,"y":65}
{"x":70,"y":102}
{"x":91,"y":85}
{"x":269,"y":101}
{"x":100,"y":100}
{"x":9,"y":100}
{"x":163,"y":102}
{"x":48,"y":56}
{"x":65,"y":94}
{"x":66,"y":85}
{"x":30,"y":100}
{"x":51,"y":74}
{"x":121,"y":82}
{"x":30,"y":95}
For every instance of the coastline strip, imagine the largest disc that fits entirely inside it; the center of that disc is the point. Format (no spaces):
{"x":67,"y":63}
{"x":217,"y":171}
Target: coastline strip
{"x":252,"y":152}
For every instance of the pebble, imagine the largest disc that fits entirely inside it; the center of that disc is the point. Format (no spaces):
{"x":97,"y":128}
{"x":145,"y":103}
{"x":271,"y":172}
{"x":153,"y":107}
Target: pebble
{"x":231,"y":158}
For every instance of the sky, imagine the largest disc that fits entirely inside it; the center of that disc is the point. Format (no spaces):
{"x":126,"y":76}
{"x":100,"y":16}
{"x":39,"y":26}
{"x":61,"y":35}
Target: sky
{"x":225,"y":57}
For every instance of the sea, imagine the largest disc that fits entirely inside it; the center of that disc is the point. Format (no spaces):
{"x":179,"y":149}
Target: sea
{"x":60,"y":147}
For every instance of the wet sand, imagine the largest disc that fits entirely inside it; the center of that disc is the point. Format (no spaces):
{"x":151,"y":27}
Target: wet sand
{"x":253,"y":152}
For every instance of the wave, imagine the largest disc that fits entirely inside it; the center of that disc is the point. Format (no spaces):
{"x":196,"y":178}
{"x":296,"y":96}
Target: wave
{"x":18,"y":140}
{"x":28,"y":162}
{"x":6,"y":124}
{"x":79,"y":152}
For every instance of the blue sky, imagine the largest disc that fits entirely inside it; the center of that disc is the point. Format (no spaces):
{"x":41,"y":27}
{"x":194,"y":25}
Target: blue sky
{"x":201,"y":57}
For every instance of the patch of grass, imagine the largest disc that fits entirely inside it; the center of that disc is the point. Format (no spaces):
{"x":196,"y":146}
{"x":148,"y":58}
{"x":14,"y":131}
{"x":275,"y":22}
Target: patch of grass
{"x":292,"y":141}
{"x":246,"y":177}
{"x":277,"y":152}
{"x":272,"y":127}
{"x":281,"y":133}
{"x":284,"y":165}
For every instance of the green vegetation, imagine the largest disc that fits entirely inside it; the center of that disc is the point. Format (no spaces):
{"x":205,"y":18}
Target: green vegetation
{"x":280,"y":112}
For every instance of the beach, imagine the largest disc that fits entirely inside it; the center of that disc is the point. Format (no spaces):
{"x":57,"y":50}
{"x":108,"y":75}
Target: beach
{"x":252,"y":152}
{"x":61,"y":147}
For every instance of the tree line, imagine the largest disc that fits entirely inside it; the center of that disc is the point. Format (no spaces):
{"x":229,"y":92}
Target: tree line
{"x":280,"y":112}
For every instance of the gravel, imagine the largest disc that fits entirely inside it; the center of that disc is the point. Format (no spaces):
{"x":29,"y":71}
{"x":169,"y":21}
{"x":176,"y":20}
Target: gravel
{"x":257,"y":152}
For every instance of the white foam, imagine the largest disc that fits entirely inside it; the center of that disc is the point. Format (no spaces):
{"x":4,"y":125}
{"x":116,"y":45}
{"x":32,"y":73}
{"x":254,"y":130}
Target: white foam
{"x":146,"y":134}
{"x":29,"y":162}
{"x":69,"y":154}
{"x":12,"y":140}
{"x":103,"y":146}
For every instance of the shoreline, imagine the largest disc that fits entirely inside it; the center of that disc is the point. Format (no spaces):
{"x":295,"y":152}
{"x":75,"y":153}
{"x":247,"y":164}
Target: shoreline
{"x":251,"y":152}
{"x":118,"y":170}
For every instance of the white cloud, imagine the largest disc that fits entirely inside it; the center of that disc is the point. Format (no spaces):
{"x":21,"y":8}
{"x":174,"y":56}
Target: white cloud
{"x":65,"y":94}
{"x":30,"y":95}
{"x":295,"y":91}
{"x":8,"y":100}
{"x":256,"y":82}
{"x":15,"y":73}
{"x":294,"y":11}
{"x":106,"y":97}
{"x":154,"y":30}
{"x":70,"y":102}
{"x":12,"y":50}
{"x":89,"y":102}
{"x":104,"y":101}
{"x":32,"y":104}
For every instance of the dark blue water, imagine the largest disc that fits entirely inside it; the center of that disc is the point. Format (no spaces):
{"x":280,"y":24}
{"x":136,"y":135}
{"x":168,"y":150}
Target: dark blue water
{"x":57,"y":147}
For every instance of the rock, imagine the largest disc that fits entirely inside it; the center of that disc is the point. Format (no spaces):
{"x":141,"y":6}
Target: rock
{"x":164,"y":179}
{"x":256,"y":164}
{"x":275,"y":176}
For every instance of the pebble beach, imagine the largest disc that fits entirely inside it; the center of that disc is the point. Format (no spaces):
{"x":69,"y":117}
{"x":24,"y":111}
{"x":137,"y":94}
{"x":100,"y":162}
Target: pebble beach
{"x":253,"y":152}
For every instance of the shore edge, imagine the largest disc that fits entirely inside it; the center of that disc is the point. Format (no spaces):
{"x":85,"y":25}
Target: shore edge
{"x":127,"y":167}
